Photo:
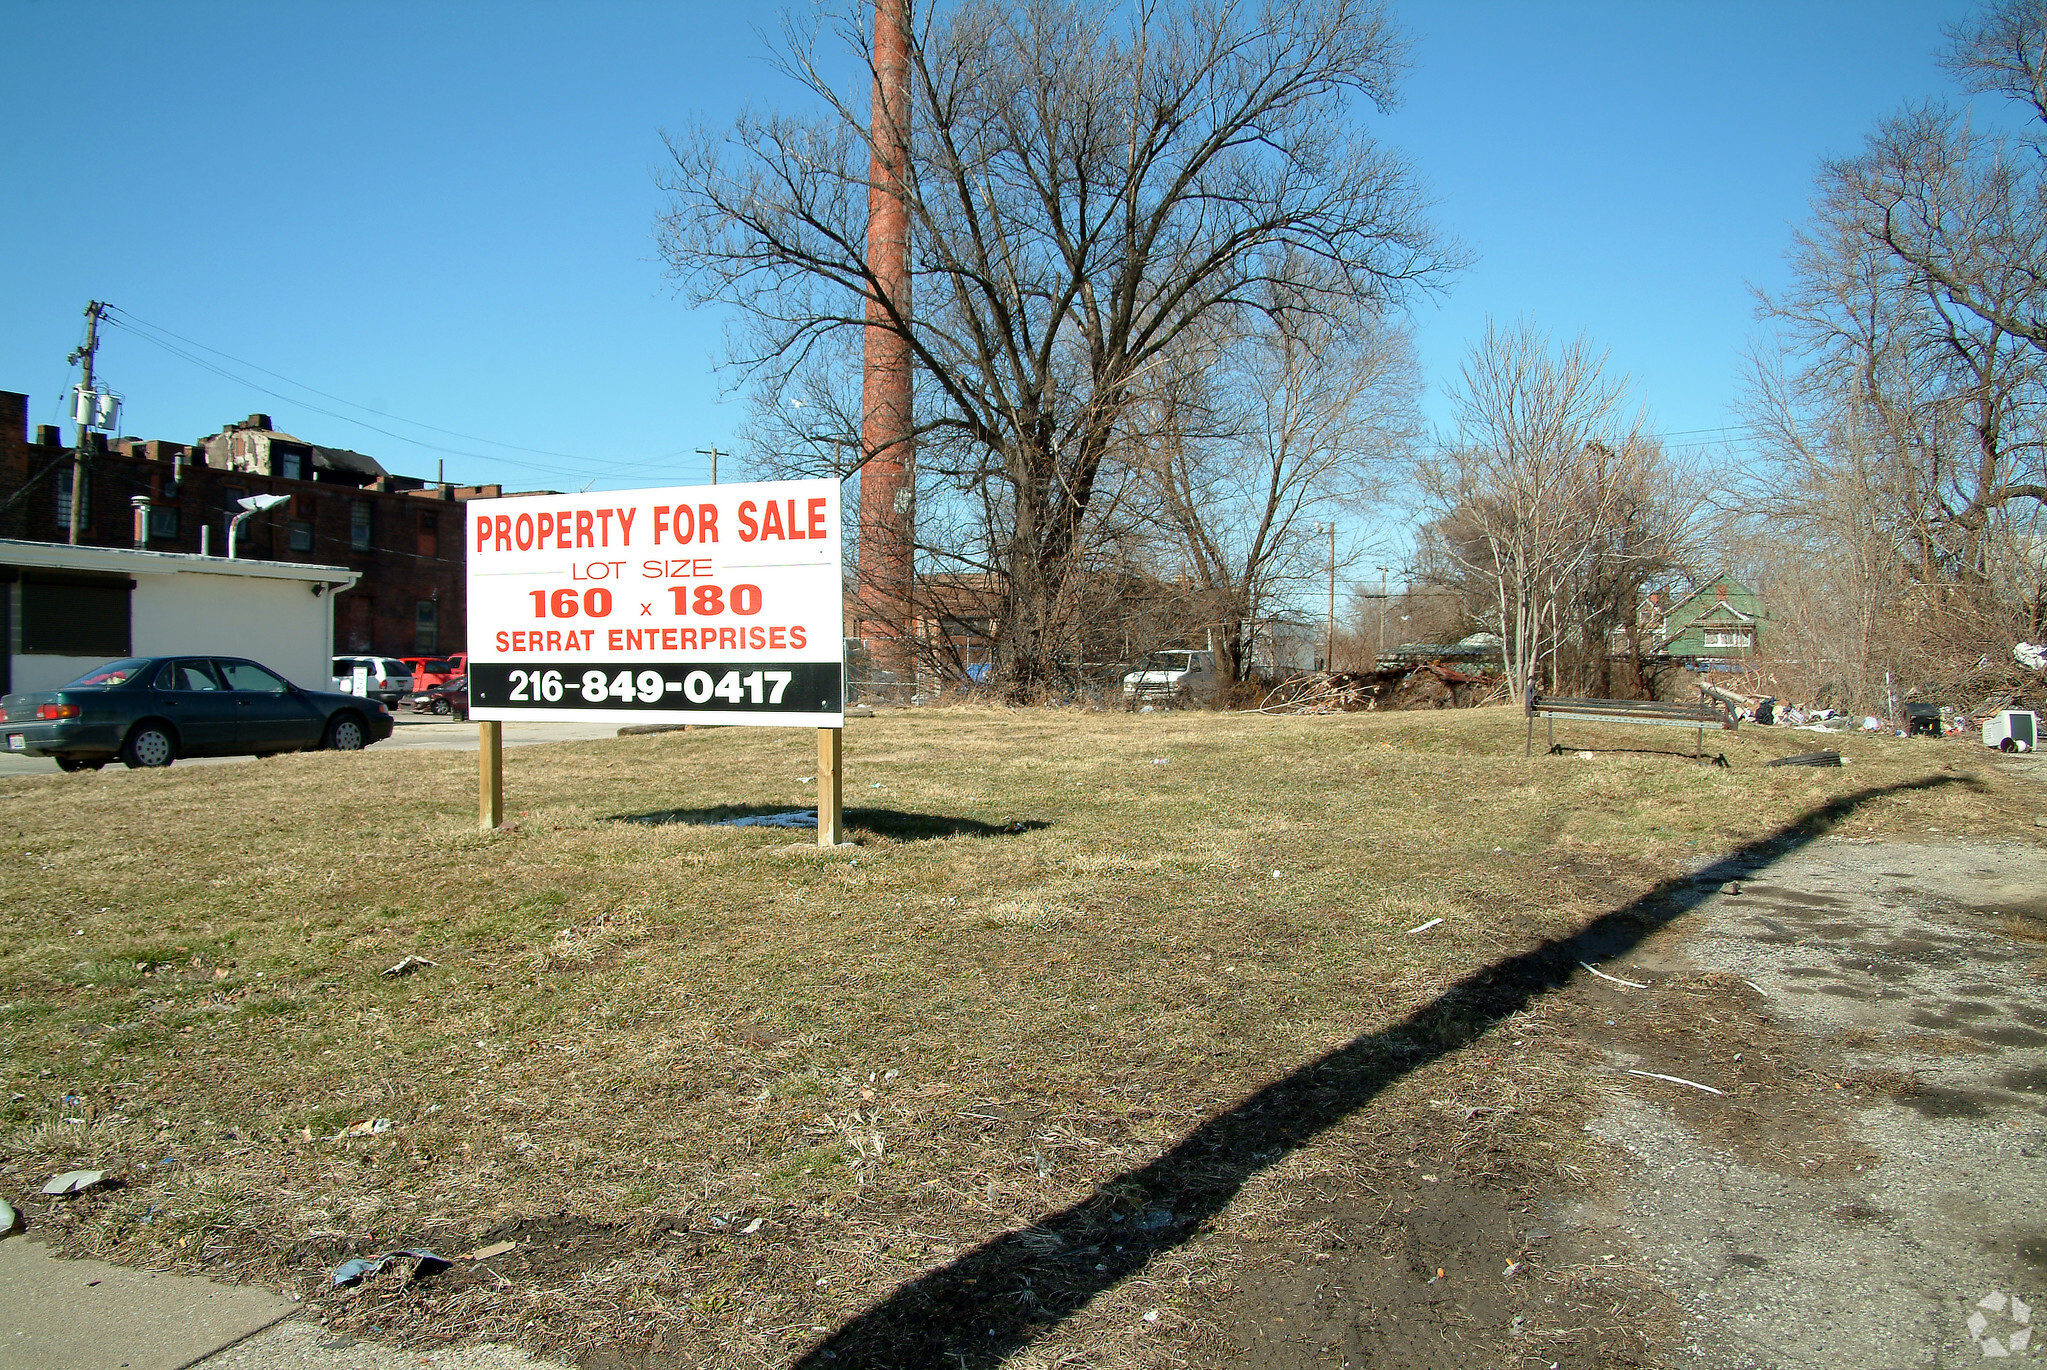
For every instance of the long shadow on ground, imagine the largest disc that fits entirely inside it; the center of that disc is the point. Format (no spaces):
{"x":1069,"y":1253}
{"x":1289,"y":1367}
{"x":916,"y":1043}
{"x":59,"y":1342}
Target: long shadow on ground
{"x":894,"y":823}
{"x":983,"y":1307}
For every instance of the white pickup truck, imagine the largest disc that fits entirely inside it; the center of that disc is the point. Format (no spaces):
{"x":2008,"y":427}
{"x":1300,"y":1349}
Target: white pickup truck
{"x":1172,"y":677}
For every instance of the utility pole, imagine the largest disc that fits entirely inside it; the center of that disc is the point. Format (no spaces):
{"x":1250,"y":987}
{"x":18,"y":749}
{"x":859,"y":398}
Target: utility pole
{"x":713,"y":453}
{"x":84,"y":413}
{"x":1382,"y":616}
{"x":1329,"y":634}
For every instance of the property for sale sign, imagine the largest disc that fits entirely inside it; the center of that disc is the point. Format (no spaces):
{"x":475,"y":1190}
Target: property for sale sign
{"x":689,"y":604}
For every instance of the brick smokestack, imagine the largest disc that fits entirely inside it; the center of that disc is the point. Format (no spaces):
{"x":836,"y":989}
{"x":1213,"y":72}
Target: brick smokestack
{"x":888,"y":516}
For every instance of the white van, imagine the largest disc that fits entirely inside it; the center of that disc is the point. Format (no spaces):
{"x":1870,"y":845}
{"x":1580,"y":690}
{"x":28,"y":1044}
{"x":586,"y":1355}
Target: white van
{"x":389,"y":679}
{"x":1172,"y":677}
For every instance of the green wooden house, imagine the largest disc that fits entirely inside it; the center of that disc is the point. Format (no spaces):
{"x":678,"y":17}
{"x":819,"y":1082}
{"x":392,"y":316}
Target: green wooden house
{"x":1722,"y":619}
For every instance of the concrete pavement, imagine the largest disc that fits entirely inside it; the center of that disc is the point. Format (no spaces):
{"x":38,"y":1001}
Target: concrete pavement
{"x":87,"y":1315}
{"x":414,"y":731}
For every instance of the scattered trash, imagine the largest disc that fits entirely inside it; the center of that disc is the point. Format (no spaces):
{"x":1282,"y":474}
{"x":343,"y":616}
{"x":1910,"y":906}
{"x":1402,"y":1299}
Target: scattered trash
{"x":806,"y":780}
{"x":9,"y":1219}
{"x":74,"y":1181}
{"x":796,"y":818}
{"x":1872,"y":724}
{"x":1808,"y":759}
{"x":1162,"y":761}
{"x":1757,"y":988}
{"x":1152,"y":1315}
{"x":1424,"y":927}
{"x":484,"y":1253}
{"x":409,"y":965}
{"x":368,"y":1127}
{"x":350,"y":1271}
{"x":1513,"y":1269}
{"x":1585,"y":756}
{"x":2031,"y":655}
{"x":751,"y":1228}
{"x":1275,"y":875}
{"x":1155,"y":1221}
{"x":1677,"y":1080}
{"x":1614,"y":978}
{"x":1440,"y":1274}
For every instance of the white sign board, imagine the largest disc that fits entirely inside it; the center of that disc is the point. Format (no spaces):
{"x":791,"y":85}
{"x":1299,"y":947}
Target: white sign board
{"x":689,"y":604}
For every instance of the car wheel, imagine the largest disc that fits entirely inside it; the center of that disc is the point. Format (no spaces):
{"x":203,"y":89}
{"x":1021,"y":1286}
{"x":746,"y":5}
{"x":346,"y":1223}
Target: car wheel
{"x":345,"y":734}
{"x":148,"y":747}
{"x":440,"y":706}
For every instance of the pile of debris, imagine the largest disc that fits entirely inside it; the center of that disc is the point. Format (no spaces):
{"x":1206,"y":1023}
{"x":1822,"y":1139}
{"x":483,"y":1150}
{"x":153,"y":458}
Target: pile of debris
{"x":1431,"y":686}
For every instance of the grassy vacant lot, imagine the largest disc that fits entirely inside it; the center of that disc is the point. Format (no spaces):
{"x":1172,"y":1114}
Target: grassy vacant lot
{"x":728,"y":1092}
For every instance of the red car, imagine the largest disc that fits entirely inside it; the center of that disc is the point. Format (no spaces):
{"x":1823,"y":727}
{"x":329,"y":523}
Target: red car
{"x":429,"y":671}
{"x":450,"y":697}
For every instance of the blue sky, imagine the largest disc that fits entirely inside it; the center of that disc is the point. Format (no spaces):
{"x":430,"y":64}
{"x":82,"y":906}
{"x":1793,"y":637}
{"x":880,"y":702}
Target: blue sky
{"x":446,"y":211}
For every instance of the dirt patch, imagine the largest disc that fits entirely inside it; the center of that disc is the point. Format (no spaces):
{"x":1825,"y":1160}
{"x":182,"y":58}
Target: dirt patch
{"x":1440,"y":1275}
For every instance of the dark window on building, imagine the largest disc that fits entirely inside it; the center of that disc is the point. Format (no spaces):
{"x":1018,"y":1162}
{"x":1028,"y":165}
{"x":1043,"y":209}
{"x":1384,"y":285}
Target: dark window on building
{"x":426,"y":627}
{"x":359,"y":525}
{"x":64,"y":474}
{"x":74,"y":614}
{"x":292,"y":465}
{"x":301,"y":536}
{"x":163,"y":521}
{"x":429,"y":535}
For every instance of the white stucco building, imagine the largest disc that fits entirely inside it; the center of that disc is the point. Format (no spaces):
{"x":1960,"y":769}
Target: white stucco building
{"x":64,"y":610}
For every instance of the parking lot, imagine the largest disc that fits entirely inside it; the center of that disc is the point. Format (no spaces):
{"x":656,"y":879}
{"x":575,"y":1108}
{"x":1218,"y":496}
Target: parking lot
{"x":414,"y":731}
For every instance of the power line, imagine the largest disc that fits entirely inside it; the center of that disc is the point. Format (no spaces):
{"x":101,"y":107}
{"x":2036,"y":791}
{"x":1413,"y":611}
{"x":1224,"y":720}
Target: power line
{"x":148,"y":332}
{"x":140,"y":324}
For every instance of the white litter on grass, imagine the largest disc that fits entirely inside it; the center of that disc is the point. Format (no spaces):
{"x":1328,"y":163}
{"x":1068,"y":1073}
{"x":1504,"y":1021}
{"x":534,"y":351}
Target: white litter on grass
{"x":1614,"y":978}
{"x":1678,"y":1080}
{"x":1424,"y":927}
{"x":74,"y":1181}
{"x":796,"y":818}
{"x":751,"y":1228}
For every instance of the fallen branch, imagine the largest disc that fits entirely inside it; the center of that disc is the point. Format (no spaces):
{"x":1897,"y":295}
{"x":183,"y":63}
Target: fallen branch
{"x":1614,"y":978}
{"x":1678,"y":1080}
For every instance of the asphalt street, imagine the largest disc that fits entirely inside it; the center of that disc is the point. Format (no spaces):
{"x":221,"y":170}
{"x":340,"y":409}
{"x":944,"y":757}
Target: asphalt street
{"x":413,"y":731}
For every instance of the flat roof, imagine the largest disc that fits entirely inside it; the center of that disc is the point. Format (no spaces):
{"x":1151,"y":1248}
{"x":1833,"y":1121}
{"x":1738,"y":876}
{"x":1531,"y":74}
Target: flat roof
{"x":133,"y":561}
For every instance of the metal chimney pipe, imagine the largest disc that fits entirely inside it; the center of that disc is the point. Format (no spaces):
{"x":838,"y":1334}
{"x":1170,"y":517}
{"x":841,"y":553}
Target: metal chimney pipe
{"x":141,"y":506}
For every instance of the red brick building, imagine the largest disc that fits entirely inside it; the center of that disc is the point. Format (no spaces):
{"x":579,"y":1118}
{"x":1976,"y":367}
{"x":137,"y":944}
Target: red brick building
{"x":405,"y":536}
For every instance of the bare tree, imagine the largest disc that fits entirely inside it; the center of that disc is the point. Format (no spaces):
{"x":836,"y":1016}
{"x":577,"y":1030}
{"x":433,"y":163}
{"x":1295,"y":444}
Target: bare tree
{"x":1294,"y":425}
{"x":1089,"y":186}
{"x":1904,"y":420}
{"x":1548,"y":496}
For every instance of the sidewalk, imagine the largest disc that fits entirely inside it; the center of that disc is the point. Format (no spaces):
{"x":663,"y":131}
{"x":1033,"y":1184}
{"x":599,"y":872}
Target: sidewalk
{"x":88,"y":1315}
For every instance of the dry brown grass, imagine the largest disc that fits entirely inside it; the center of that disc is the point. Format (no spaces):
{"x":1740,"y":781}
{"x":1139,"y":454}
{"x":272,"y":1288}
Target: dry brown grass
{"x":640,"y":1036}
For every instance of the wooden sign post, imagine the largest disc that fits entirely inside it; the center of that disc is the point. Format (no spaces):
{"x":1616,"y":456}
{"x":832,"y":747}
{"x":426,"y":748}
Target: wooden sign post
{"x":831,"y":812}
{"x":490,"y":775}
